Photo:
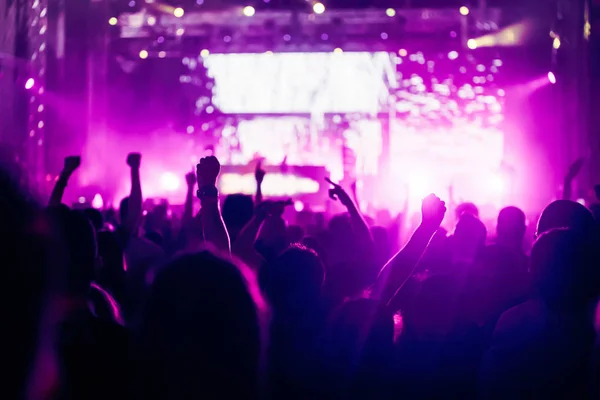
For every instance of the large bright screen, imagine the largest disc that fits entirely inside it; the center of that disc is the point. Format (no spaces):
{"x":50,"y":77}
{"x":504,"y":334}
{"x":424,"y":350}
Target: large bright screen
{"x":301,"y":82}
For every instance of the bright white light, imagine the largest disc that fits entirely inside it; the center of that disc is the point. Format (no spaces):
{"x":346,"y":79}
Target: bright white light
{"x":337,"y":50}
{"x":464,"y":10}
{"x":390,"y":12}
{"x":298,"y":205}
{"x":169,"y":181}
{"x":81,"y":200}
{"x":338,"y":83}
{"x":112,"y":21}
{"x":581,"y":201}
{"x":496,"y":184}
{"x":419,"y":186}
{"x":556,"y":43}
{"x":178,"y":12}
{"x":143,"y":54}
{"x":180,"y":31}
{"x":204,"y":53}
{"x":162,"y":54}
{"x":97,"y":201}
{"x":29,"y":83}
{"x":249,"y":11}
{"x":472,"y":44}
{"x":402,"y":52}
{"x":276,"y":185}
{"x":151,"y":20}
{"x":453,"y":55}
{"x":551,"y":77}
{"x":318,"y":8}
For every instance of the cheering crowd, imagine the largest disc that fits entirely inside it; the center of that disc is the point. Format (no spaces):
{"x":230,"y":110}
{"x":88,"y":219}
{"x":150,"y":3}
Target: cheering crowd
{"x":236,"y":303}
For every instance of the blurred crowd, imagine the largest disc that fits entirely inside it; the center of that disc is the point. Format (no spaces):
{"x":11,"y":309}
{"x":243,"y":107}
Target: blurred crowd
{"x":234,"y":301}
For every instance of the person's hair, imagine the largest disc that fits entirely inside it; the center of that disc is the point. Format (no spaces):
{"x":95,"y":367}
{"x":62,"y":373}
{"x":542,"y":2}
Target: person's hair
{"x":201,"y":330}
{"x":466,"y":208}
{"x":95,"y":217}
{"x":104,"y":306}
{"x":563,"y":264}
{"x":470,"y":233}
{"x":566,"y":214}
{"x":511,"y":223}
{"x":78,"y":239}
{"x":238,"y":210}
{"x":293,"y":278}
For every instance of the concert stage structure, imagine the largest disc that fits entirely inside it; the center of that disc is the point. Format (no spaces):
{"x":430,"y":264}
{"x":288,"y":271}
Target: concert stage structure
{"x":403,"y":101}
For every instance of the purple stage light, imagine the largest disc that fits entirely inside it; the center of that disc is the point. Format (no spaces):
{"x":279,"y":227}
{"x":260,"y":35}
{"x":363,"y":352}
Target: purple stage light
{"x":29,"y":83}
{"x":551,"y":77}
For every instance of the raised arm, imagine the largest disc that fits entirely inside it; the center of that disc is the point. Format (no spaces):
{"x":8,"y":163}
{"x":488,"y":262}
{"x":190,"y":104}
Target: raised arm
{"x":213,"y":226}
{"x":572,"y":173}
{"x":359,"y":225}
{"x":243,"y":247}
{"x":134,"y":210}
{"x":70,"y":165}
{"x":401,"y":266}
{"x":188,"y":209}
{"x":259,"y":175}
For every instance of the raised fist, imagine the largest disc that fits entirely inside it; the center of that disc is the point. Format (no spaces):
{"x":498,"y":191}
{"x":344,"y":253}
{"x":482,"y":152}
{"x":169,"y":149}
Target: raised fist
{"x":207,"y":171}
{"x":134,"y":160}
{"x":432,"y":210}
{"x":574,"y":169}
{"x":259,"y":173}
{"x":190,"y":179}
{"x":72,"y":163}
{"x":338,"y":193}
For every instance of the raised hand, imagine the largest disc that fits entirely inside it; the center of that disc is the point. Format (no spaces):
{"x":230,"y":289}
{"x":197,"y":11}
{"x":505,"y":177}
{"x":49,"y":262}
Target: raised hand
{"x":71,"y":164}
{"x":432,"y":210}
{"x":190,"y":179}
{"x":134,"y":160}
{"x":259,"y":173}
{"x":338,"y":193}
{"x":574,"y":169}
{"x":207,"y":171}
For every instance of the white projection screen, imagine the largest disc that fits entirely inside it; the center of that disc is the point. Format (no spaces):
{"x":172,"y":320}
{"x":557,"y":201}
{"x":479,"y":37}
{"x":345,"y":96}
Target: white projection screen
{"x":313,"y":83}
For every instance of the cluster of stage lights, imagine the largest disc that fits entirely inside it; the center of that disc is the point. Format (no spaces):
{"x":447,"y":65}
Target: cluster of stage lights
{"x":35,"y":85}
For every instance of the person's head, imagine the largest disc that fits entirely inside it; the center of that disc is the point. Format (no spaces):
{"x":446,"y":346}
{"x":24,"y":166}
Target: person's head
{"x":511,"y":226}
{"x":566,"y":214}
{"x":564,"y":268}
{"x":466,"y":208}
{"x":201,"y":331}
{"x":238,"y":210}
{"x":111,"y":271}
{"x":293,"y":279}
{"x":469,"y":238}
{"x":78,"y":241}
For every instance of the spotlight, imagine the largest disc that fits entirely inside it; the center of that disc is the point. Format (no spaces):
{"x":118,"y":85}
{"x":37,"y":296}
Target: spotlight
{"x":472,"y":44}
{"x":112,"y":21}
{"x":453,"y":55}
{"x":464,"y":10}
{"x":551,"y":77}
{"x":204,"y":53}
{"x":556,"y":43}
{"x":337,"y":50}
{"x":318,"y":8}
{"x":178,"y":12}
{"x":162,"y":54}
{"x":249,"y":11}
{"x":402,"y":52}
{"x":390,"y":12}
{"x":29,"y":83}
{"x":143,"y":54}
{"x":151,"y":20}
